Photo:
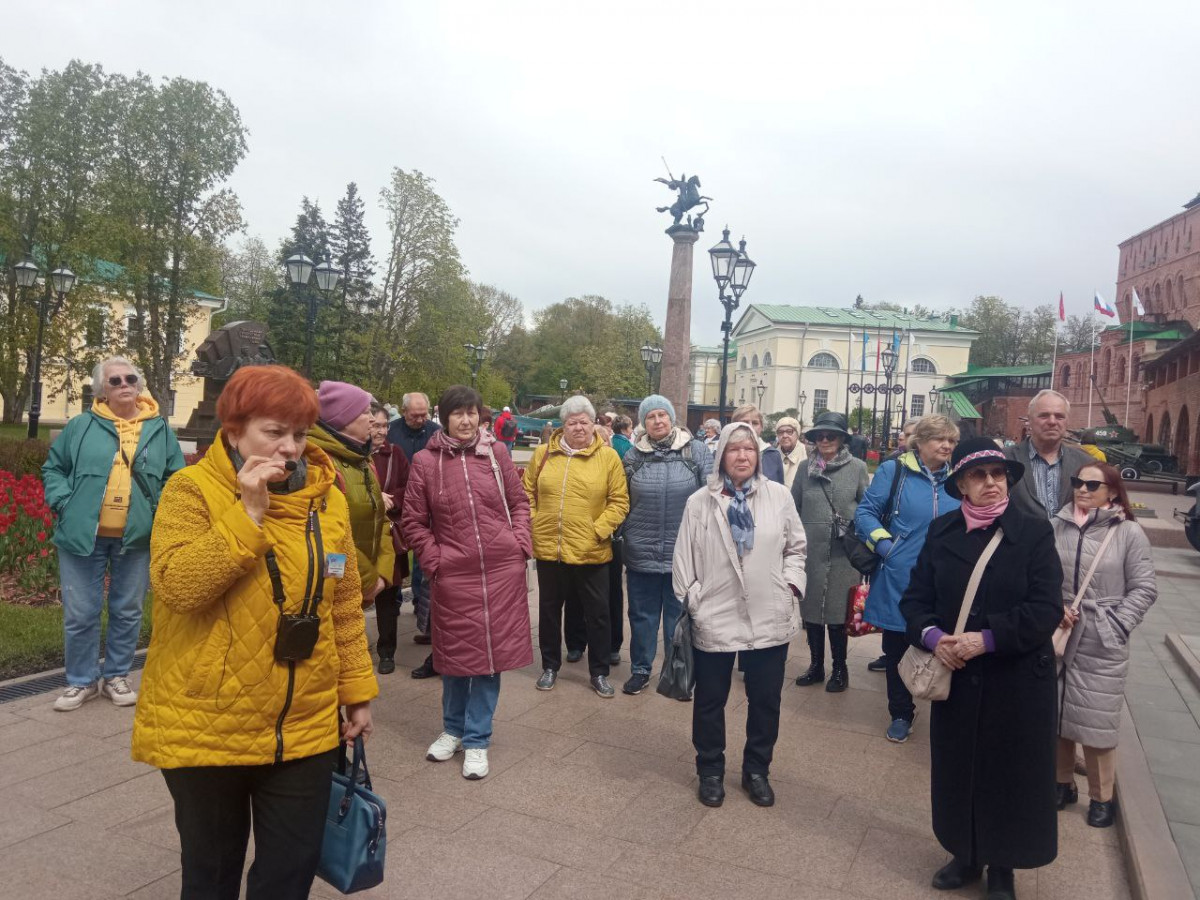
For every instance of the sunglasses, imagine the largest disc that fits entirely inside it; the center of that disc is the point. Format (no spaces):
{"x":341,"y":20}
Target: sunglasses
{"x":825,"y":436}
{"x":1092,"y":486}
{"x":115,"y":380}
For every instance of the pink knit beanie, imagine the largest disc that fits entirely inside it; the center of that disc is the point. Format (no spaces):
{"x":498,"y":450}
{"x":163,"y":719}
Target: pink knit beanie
{"x":341,"y":403}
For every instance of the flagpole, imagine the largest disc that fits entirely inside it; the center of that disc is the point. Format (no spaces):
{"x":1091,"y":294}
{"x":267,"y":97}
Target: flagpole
{"x":849,"y":370}
{"x":907,"y":366}
{"x":1054,"y":357}
{"x":1129,"y":364}
{"x":1091,"y":361}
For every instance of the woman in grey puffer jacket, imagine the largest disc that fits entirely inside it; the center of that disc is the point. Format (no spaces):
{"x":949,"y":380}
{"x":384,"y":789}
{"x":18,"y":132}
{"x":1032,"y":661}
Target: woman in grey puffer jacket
{"x":665,"y":466}
{"x":1092,"y":673}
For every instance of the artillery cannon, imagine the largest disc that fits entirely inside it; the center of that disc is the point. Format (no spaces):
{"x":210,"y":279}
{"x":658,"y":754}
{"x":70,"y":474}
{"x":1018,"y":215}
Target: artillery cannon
{"x":1120,"y":445}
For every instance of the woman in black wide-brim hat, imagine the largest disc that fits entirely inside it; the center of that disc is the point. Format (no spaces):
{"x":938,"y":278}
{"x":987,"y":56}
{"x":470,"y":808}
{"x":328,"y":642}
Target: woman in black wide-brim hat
{"x":826,"y":491}
{"x":992,"y":742}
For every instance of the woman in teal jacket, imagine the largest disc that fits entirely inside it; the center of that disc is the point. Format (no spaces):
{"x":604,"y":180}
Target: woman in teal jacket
{"x":893,"y":517}
{"x":102,"y":479}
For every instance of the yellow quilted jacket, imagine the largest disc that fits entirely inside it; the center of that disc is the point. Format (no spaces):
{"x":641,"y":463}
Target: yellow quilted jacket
{"x":212,"y":693}
{"x":577,"y":502}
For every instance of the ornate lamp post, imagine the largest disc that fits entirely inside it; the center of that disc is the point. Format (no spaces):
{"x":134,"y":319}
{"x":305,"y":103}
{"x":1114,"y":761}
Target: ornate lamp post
{"x":760,"y":388}
{"x":933,"y":399}
{"x":732,"y":270}
{"x":888,"y":357}
{"x":61,"y":281}
{"x":562,"y":386}
{"x":803,"y":400}
{"x":476,"y":354}
{"x":651,"y":357}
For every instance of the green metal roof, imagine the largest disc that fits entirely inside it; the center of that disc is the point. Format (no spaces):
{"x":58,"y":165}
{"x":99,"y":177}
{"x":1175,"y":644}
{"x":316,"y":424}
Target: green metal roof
{"x":960,"y":405}
{"x":1171,"y":334}
{"x":1010,"y":371}
{"x":853,"y":318}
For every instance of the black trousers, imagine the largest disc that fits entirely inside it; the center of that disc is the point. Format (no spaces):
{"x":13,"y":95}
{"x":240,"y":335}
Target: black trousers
{"x":900,"y":701}
{"x":215,"y":807}
{"x":557,"y":583}
{"x":387,"y":611}
{"x":764,"y":690}
{"x":616,"y":598}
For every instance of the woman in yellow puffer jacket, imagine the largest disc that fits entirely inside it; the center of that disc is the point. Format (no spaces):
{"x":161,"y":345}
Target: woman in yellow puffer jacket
{"x":258,"y":639}
{"x":578,"y":498}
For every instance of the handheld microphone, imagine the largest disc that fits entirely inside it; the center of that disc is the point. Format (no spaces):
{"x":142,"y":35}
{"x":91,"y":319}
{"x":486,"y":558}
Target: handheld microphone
{"x":290,"y":465}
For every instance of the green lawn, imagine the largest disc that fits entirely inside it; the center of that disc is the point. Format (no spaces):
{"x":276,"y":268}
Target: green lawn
{"x":20,"y":431}
{"x":31,"y":638}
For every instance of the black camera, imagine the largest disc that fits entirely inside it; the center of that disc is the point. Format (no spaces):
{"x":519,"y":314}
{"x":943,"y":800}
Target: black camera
{"x":296,"y":638}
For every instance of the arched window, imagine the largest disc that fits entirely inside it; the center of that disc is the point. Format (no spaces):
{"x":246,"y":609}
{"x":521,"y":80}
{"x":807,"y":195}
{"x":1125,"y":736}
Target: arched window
{"x":767,"y":360}
{"x":1064,"y":377}
{"x":1170,"y":294}
{"x":1182,"y":297}
{"x":754,"y":361}
{"x":1137,"y":361}
{"x":1164,"y":431}
{"x":823,"y":361}
{"x":923,"y":366}
{"x":1120,"y":370}
{"x":743,"y":364}
{"x":1149,"y":432}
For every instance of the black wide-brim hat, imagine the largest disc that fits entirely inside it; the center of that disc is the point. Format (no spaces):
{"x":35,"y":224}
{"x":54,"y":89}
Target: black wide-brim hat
{"x":978,"y":451}
{"x":828,"y":421}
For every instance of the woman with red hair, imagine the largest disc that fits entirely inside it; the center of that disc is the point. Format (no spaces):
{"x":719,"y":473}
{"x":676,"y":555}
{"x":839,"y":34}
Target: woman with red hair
{"x":1096,"y":534}
{"x":258,"y":640}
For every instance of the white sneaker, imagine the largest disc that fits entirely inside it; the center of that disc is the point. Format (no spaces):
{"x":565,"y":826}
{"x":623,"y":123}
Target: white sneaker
{"x":75,"y":696}
{"x":443,"y":748}
{"x":475,"y":764}
{"x":118,"y":691}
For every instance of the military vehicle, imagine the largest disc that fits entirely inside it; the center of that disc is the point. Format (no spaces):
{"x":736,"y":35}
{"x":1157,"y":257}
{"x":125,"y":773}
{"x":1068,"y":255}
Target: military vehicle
{"x":1191,"y":518}
{"x":1122,"y":448}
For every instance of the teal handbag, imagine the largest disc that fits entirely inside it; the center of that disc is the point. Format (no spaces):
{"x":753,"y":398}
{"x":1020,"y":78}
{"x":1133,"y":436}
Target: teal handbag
{"x":355,"y":844}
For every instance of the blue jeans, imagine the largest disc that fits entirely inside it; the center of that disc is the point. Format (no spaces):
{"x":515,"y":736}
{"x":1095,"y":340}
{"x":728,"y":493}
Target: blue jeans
{"x":651,"y":599}
{"x":468,"y":704}
{"x":82,"y":580}
{"x":421,"y":595}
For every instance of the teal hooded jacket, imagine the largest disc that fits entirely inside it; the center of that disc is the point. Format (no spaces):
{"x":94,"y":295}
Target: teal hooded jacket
{"x":75,"y":476}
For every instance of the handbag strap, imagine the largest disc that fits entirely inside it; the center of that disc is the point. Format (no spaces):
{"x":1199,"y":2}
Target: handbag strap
{"x":976,"y":577}
{"x":1087,"y":579}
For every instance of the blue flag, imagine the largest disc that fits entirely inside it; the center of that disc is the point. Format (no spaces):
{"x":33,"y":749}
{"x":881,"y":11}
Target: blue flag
{"x":864,"y":352}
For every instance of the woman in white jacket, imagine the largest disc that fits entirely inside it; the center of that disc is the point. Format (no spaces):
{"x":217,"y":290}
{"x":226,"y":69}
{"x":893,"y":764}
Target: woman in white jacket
{"x":1092,"y":674}
{"x":738,"y":571}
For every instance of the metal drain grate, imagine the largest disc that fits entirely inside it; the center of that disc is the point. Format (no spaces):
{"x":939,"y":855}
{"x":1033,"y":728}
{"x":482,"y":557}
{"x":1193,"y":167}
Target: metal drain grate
{"x":54,"y":681}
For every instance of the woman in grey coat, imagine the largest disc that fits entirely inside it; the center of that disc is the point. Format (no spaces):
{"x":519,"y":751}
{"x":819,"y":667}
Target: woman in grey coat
{"x":1092,"y":675}
{"x":826,"y":491}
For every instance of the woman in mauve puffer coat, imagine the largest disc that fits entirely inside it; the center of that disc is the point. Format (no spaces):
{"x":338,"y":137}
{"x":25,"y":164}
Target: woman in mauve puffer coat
{"x":473,"y":542}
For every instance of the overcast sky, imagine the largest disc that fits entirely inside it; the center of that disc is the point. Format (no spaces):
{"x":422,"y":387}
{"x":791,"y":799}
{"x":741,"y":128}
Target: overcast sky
{"x":913,"y":152}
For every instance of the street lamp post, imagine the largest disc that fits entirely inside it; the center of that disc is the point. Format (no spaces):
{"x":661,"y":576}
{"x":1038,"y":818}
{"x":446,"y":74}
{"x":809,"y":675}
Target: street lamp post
{"x":803,"y":400}
{"x":61,"y":281}
{"x":889,"y":358}
{"x":732,"y":270}
{"x":651,"y":357}
{"x":761,"y":388}
{"x":933,"y":398}
{"x":562,"y":386}
{"x":476,"y":354}
{"x":299,"y":270}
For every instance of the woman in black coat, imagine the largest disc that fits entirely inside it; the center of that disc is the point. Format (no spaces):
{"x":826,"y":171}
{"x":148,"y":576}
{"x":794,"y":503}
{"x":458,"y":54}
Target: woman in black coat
{"x":992,"y":742}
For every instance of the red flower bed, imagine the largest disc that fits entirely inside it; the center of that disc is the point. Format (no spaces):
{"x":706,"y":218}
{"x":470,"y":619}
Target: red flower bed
{"x":28,"y":561}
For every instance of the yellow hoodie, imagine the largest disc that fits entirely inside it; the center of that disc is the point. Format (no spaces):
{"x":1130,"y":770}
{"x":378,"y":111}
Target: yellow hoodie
{"x":114,"y":510}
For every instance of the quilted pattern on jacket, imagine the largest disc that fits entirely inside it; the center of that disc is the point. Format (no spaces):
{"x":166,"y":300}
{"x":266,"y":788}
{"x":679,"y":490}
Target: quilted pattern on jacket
{"x":213,"y":693}
{"x":658,"y":491}
{"x":576,"y":501}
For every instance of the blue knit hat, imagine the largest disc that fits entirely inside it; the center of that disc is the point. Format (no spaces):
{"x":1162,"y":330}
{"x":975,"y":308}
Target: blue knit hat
{"x":650,"y":404}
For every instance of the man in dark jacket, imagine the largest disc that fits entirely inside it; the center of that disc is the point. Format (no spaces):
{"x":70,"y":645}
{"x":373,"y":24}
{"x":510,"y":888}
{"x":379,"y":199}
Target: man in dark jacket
{"x":1049,"y":463}
{"x":391,"y":466}
{"x":411,"y":432}
{"x":857,"y":444}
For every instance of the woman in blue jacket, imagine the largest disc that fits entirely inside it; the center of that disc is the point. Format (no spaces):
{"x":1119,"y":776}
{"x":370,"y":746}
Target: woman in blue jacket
{"x":893,"y":517}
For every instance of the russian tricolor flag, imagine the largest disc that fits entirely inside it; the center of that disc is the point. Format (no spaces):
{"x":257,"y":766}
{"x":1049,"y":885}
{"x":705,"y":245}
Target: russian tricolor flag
{"x":1103,"y":308}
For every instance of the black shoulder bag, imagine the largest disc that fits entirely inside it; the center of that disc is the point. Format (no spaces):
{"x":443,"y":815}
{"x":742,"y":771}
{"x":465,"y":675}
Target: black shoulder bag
{"x":864,"y":560}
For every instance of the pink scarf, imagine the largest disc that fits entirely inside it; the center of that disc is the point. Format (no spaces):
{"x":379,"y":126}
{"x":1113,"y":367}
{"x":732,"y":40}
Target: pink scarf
{"x":982,"y":516}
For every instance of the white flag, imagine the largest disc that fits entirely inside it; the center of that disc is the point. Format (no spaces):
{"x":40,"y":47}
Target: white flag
{"x":1137,"y":303}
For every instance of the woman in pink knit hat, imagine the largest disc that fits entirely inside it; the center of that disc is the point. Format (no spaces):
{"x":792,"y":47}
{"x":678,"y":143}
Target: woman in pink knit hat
{"x":344,"y":432}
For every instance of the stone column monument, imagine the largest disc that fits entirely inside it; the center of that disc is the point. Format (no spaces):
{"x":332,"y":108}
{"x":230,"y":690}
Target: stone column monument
{"x":677,"y":333}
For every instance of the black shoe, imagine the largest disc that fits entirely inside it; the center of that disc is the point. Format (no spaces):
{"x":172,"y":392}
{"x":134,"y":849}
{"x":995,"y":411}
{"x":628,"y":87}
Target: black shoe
{"x":712,"y":790}
{"x":812,"y":675}
{"x":419,"y":638}
{"x":636,"y":684}
{"x":877,"y":665}
{"x":614,"y":659}
{"x":1000,"y":884}
{"x":758,"y":788}
{"x":839,"y":679}
{"x":602,"y":688}
{"x":387,"y":665}
{"x":955,"y":874}
{"x":1066,"y":794}
{"x":425,"y":669}
{"x":1100,"y":815}
{"x":574,"y":655}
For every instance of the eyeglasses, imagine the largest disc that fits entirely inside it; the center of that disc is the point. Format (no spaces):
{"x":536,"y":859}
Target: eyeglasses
{"x":825,"y":436}
{"x":115,"y":380}
{"x":1092,"y":486}
{"x":981,"y":474}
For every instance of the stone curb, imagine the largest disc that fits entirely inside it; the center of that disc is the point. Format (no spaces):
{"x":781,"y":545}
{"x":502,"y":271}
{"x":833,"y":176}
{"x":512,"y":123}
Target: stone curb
{"x":1156,"y":870}
{"x":1186,"y":657}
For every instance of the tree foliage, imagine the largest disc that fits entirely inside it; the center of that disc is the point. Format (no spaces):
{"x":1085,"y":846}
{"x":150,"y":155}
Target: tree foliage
{"x":1009,"y":335}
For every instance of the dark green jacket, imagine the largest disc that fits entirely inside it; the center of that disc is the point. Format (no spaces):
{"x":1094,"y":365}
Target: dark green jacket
{"x":75,"y":476}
